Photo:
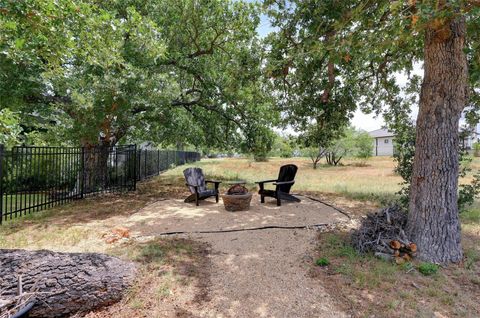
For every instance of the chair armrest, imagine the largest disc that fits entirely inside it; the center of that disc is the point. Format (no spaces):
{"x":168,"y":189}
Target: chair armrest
{"x":266,"y":181}
{"x":284,"y":182}
{"x":212,"y":181}
{"x":215,"y":182}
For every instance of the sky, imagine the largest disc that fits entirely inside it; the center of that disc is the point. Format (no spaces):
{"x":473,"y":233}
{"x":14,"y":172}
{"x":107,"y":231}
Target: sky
{"x":367,"y":122}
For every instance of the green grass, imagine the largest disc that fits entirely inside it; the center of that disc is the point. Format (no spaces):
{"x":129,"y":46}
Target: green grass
{"x":322,"y":261}
{"x":370,"y":285}
{"x":428,"y":269}
{"x":362,"y":270}
{"x":471,"y":214}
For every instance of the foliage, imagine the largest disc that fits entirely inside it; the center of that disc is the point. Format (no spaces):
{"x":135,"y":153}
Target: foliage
{"x":354,"y":143}
{"x":306,"y":70}
{"x":10,"y":129}
{"x":476,"y":149}
{"x":468,"y":193}
{"x":322,"y":261}
{"x":258,"y":142}
{"x":336,"y":152}
{"x":404,"y":155}
{"x":363,"y":145}
{"x":281,"y":147}
{"x":129,"y":71}
{"x":315,"y":154}
{"x":428,"y":269}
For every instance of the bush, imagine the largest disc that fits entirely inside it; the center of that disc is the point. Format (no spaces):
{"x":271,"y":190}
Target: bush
{"x":354,"y":143}
{"x":363,"y":145}
{"x":281,"y":147}
{"x":323,"y":261}
{"x":258,"y":142}
{"x":476,"y":149}
{"x":428,"y":269}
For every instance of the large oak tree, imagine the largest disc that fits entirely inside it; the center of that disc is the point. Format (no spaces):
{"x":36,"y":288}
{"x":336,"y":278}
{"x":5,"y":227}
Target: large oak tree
{"x":125,"y":70}
{"x":371,"y":42}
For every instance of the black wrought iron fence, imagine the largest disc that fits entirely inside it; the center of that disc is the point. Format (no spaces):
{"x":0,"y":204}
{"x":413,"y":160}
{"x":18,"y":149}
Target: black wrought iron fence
{"x":152,"y":162}
{"x":37,"y":178}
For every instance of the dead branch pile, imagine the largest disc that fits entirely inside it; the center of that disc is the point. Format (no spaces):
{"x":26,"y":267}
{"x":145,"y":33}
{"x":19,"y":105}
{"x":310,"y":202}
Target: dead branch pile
{"x":383,"y":233}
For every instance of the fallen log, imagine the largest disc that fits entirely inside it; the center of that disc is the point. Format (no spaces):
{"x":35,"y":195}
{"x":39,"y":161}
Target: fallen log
{"x":60,"y":284}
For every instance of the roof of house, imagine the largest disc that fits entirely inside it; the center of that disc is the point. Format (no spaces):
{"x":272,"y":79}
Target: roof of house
{"x":381,"y":133}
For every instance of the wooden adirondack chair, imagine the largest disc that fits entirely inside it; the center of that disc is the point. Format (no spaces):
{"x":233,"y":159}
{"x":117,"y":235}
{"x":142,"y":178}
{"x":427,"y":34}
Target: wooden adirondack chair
{"x":283,"y":184}
{"x":198,"y":185}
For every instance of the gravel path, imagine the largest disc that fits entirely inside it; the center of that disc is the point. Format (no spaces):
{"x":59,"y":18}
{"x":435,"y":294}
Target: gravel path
{"x":261,"y":273}
{"x":264,"y":274}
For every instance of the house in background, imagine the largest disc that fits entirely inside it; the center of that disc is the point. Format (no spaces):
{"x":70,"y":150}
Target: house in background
{"x":382,"y":142}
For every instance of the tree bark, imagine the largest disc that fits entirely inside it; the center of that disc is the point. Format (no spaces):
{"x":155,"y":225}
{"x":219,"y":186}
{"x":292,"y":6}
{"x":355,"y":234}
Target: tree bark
{"x":62,"y":284}
{"x":433,"y":221}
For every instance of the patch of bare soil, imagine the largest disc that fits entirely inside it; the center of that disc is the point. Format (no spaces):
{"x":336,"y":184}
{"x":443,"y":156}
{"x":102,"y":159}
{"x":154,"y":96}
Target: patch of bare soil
{"x":264,"y":274}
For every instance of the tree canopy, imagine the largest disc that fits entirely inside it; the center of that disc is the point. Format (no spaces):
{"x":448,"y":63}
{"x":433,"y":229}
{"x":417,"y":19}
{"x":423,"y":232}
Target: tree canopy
{"x":188,"y":72}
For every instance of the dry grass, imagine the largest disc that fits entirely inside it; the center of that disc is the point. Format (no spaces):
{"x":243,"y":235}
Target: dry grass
{"x":375,"y":180}
{"x":373,"y":287}
{"x":172,"y":271}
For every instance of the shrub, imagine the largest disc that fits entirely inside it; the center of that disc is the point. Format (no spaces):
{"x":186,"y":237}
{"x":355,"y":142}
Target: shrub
{"x":258,"y":142}
{"x":476,"y":149}
{"x":323,"y":261}
{"x":428,"y":269}
{"x":468,"y":193}
{"x":363,"y":145}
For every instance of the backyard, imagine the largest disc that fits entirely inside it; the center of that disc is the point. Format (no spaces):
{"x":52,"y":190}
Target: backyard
{"x":199,"y":158}
{"x":276,"y":271}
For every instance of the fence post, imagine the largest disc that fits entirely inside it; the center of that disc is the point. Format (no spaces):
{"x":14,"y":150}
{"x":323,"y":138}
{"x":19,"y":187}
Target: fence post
{"x":2,"y":149}
{"x":135,"y":167}
{"x":145,"y":162}
{"x":82,"y":173}
{"x":158,"y":162}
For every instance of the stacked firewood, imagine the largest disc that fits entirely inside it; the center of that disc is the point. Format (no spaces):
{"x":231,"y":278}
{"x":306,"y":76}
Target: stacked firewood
{"x":383,"y":233}
{"x":402,"y":251}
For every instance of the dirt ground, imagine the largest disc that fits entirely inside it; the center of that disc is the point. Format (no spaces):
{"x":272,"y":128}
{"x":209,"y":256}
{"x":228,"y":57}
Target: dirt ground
{"x":264,"y":274}
{"x":252,"y":273}
{"x":176,"y":216}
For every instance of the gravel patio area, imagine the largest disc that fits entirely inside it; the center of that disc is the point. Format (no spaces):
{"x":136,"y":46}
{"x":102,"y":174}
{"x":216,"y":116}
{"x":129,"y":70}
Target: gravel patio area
{"x":254,"y":273}
{"x":174,"y":215}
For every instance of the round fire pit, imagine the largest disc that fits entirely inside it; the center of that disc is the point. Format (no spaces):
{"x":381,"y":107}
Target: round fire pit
{"x":237,"y":198}
{"x":237,"y":202}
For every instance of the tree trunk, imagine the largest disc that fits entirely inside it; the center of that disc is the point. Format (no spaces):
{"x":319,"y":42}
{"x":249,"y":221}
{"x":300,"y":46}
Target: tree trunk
{"x":62,"y":284}
{"x":433,"y":221}
{"x":95,"y":170}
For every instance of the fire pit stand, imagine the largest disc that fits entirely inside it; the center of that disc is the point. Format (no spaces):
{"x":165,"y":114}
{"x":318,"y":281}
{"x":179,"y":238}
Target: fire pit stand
{"x":237,"y":198}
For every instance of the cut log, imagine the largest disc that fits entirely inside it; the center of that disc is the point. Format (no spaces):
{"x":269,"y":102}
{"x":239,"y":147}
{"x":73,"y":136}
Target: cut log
{"x":413,"y":247}
{"x":62,"y":284}
{"x":395,"y":244}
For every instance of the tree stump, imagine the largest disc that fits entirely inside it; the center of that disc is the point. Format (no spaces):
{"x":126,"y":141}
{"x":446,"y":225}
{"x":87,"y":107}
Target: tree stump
{"x":61,"y":284}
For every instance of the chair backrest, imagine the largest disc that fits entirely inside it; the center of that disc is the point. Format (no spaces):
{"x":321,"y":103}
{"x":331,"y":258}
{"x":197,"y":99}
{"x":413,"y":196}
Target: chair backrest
{"x":287,"y":173}
{"x":194,"y":176}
